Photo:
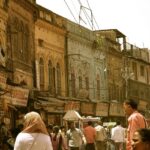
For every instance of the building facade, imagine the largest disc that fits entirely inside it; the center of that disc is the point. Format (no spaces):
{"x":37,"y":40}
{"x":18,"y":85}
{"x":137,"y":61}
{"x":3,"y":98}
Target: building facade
{"x":85,"y":70}
{"x":18,"y":28}
{"x":50,"y":74}
{"x":51,"y":65}
{"x":138,"y":87}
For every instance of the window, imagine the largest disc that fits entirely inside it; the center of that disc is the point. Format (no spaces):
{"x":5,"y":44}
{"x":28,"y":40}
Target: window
{"x":80,"y":82}
{"x":40,"y":42}
{"x":58,"y":79}
{"x":87,"y":83}
{"x":142,"y":71}
{"x":73,"y":84}
{"x":53,"y":80}
{"x":98,"y":87}
{"x":50,"y":76}
{"x":134,"y":68}
{"x":26,"y":43}
{"x":41,"y":74}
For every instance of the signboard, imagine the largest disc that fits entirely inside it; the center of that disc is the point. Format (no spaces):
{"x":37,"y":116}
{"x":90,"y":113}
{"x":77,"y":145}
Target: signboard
{"x":116,"y":109}
{"x":17,"y":96}
{"x":71,"y":105}
{"x":102,"y":109}
{"x":56,"y":109}
{"x":87,"y":108}
{"x":2,"y":81}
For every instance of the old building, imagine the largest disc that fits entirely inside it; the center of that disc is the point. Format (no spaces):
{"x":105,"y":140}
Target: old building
{"x":114,"y":42}
{"x":85,"y":69}
{"x":18,"y":28}
{"x":50,"y":65}
{"x":3,"y":50}
{"x":138,"y":73}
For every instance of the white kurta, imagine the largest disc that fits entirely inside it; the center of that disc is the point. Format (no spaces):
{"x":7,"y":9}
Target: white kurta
{"x":24,"y":142}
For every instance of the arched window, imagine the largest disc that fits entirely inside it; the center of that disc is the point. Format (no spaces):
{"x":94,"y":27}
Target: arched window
{"x":58,"y":79}
{"x":50,"y":76}
{"x":41,"y":74}
{"x":98,"y":87}
{"x":73,"y":84}
{"x":26,"y":41}
{"x":87,"y":83}
{"x":20,"y":41}
{"x":15,"y":36}
{"x":80,"y":82}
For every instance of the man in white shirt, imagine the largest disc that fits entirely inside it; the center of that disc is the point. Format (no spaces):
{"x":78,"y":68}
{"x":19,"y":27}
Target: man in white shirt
{"x":101,"y":136}
{"x":74,"y":137}
{"x":118,"y":136}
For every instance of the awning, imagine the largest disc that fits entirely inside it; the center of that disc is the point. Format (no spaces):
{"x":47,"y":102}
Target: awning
{"x":50,"y":100}
{"x":72,"y":115}
{"x":49,"y":104}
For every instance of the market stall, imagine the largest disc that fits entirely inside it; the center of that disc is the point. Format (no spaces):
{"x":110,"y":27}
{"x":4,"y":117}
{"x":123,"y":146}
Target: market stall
{"x":72,"y":116}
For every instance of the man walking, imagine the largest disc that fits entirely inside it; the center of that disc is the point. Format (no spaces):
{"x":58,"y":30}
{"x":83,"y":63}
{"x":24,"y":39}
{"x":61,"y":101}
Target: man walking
{"x":135,"y":120}
{"x":101,"y":136}
{"x":89,"y":133}
{"x":74,"y":137}
{"x":118,"y":136}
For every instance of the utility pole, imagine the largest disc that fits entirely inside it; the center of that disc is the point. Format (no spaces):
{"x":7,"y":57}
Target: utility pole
{"x":126,"y":74}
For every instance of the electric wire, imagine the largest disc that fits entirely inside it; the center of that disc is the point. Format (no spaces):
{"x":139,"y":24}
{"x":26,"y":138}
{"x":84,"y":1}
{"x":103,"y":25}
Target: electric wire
{"x":70,"y":11}
{"x":74,"y":7}
{"x":93,"y":15}
{"x":85,"y":13}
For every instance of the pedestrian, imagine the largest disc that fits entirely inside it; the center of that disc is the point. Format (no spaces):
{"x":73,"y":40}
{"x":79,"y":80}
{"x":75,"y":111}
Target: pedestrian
{"x":101,"y":136}
{"x":19,"y":128}
{"x":90,"y":134}
{"x":74,"y":137}
{"x":135,"y":120}
{"x":12,"y":138}
{"x":3,"y":136}
{"x":63,"y":133}
{"x":34,"y":135}
{"x":141,"y":139}
{"x":118,"y":136}
{"x":58,"y":141}
{"x":50,"y":130}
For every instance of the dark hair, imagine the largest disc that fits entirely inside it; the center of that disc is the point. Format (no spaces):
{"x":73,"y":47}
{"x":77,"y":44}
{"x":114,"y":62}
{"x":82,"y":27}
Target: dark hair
{"x":90,"y":123}
{"x":118,"y":123}
{"x":62,"y":127}
{"x":50,"y":126}
{"x":144,"y":134}
{"x":56,"y":129}
{"x":133,"y":103}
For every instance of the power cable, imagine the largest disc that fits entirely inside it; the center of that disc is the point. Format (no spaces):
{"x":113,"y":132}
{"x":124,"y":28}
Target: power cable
{"x":85,"y":13}
{"x":70,"y":11}
{"x":74,"y":7}
{"x":89,"y":19}
{"x":93,"y":15}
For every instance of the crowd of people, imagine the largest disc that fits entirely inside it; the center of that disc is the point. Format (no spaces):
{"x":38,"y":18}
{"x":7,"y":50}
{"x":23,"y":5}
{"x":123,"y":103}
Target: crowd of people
{"x":33,"y":134}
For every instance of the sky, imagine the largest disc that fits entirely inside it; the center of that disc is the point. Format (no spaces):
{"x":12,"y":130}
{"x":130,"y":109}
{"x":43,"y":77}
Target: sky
{"x":131,"y":17}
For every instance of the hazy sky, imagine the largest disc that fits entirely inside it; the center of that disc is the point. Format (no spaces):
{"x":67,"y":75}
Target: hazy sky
{"x":131,"y":17}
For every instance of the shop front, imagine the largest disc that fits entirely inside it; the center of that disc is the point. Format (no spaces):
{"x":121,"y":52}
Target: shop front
{"x":102,"y":110}
{"x":72,"y":105}
{"x":50,"y":109}
{"x":87,"y":109}
{"x":3,"y":114}
{"x":15,"y":105}
{"x":116,"y":112}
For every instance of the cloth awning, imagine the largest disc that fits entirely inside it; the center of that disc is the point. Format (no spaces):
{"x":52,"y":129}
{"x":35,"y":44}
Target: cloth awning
{"x":72,"y":115}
